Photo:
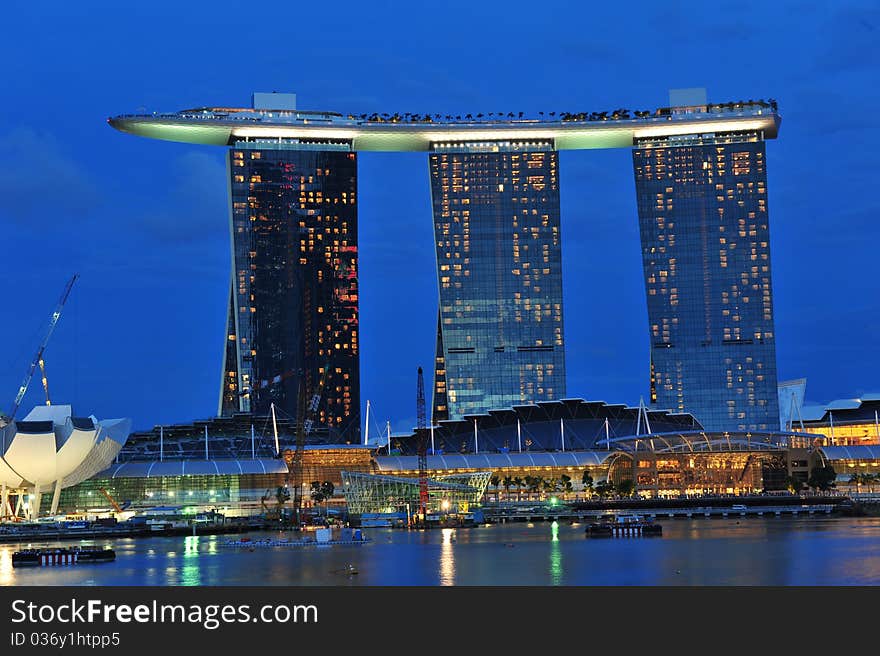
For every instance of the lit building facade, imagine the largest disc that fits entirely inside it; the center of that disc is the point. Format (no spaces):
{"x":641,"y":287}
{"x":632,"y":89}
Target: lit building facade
{"x":496,"y":225}
{"x":234,"y":486}
{"x":704,"y":224}
{"x":844,"y":422}
{"x":702,"y":196}
{"x":294,"y":297}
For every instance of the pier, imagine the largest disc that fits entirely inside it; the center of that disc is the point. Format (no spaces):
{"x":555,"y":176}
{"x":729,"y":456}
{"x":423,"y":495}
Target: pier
{"x":693,"y":508}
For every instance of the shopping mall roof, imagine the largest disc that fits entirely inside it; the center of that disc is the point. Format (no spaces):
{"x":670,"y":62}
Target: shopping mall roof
{"x":857,"y":452}
{"x":710,"y":441}
{"x":413,"y":132}
{"x":157,"y":468}
{"x":494,"y":461}
{"x":842,"y":410}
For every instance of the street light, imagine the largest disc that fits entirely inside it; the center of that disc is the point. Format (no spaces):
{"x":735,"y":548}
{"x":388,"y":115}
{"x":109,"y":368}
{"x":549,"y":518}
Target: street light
{"x":445,"y":504}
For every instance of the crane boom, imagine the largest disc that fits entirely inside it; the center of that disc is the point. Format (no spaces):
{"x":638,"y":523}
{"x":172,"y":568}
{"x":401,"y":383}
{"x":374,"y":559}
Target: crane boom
{"x":109,"y":497}
{"x":422,"y":430}
{"x":38,"y":359}
{"x":308,"y":414}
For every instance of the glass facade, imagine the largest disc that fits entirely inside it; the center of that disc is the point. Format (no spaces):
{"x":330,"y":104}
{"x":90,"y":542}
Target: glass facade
{"x":496,"y":226}
{"x":294,"y":301}
{"x":702,"y":204}
{"x":371,"y":493}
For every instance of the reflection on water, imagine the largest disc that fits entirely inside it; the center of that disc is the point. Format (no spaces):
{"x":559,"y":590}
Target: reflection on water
{"x":447,"y":556}
{"x":753,"y":551}
{"x":191,"y":572}
{"x":555,"y":555}
{"x":6,"y":573}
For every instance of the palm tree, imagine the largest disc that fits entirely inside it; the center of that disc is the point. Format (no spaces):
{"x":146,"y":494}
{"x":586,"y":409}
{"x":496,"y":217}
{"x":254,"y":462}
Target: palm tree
{"x":535,"y":484}
{"x":587,"y":482}
{"x":495,"y":481}
{"x":507,"y":482}
{"x":518,"y":482}
{"x":565,"y":483}
{"x":316,"y":494}
{"x":282,"y":495}
{"x":626,"y":488}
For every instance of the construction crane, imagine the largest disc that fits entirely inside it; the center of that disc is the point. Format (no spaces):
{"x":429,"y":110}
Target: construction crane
{"x":307,"y":415}
{"x":422,"y":431}
{"x":38,"y":359}
{"x":116,"y":507}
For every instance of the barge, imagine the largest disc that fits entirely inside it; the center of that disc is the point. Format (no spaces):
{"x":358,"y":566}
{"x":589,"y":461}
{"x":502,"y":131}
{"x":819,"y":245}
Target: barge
{"x":62,"y":556}
{"x":623,"y":526}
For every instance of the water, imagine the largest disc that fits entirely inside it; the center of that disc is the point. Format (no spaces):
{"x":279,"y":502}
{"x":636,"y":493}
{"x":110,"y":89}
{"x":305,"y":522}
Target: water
{"x":747,"y":551}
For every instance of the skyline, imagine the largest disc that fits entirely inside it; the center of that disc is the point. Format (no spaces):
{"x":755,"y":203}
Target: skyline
{"x":110,"y":345}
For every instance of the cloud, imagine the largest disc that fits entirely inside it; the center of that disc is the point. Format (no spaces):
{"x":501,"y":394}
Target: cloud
{"x":39,"y":182}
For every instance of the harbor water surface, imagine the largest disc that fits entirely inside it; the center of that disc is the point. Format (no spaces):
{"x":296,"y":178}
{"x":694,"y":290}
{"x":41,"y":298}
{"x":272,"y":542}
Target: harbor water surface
{"x":747,"y":551}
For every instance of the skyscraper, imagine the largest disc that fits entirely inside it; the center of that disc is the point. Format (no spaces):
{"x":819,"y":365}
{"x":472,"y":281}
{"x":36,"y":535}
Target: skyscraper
{"x":704,"y":224}
{"x":496,"y":227}
{"x":702,"y":198}
{"x":294,"y":297}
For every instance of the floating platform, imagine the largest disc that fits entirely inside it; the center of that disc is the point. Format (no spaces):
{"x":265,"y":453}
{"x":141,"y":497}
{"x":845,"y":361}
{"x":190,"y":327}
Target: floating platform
{"x":62,"y":556}
{"x":623,"y":526}
{"x":254,"y":544}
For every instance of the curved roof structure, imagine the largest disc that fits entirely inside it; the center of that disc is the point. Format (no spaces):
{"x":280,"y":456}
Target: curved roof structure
{"x":225,"y":126}
{"x":710,"y":441}
{"x":859,"y":452}
{"x":157,"y":468}
{"x":493,"y":461}
{"x":51,"y":445}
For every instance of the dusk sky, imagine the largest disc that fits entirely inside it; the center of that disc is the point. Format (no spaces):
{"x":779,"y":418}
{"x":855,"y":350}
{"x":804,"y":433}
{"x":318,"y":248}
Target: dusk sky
{"x":145,"y":222}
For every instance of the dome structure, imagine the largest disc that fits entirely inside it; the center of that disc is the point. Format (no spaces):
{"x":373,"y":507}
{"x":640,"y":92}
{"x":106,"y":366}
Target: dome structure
{"x":52,"y":447}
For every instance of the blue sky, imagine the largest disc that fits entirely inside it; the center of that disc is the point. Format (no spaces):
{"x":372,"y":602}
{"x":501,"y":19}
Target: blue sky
{"x":145,"y":222}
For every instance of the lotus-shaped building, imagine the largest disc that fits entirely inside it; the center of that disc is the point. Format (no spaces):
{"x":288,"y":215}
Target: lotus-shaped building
{"x":51,"y":448}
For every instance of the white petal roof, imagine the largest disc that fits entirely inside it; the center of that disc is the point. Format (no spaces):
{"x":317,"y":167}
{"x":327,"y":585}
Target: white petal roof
{"x":50,"y":444}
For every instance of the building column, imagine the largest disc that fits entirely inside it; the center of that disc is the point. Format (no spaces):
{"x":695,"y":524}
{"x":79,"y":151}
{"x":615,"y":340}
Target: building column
{"x":4,"y":501}
{"x":35,"y":505}
{"x":56,"y":497}
{"x":18,"y":503}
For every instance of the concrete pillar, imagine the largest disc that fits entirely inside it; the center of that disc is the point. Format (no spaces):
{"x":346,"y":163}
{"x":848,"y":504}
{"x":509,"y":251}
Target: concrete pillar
{"x":4,"y":501}
{"x":35,"y":504}
{"x":56,"y":497}
{"x":18,"y":503}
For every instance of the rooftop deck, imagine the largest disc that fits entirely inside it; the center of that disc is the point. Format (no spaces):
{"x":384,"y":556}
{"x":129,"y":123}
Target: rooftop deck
{"x":425,"y":132}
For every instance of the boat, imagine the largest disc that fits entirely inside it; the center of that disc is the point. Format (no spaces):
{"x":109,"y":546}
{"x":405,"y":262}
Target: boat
{"x":628,"y":525}
{"x":62,"y":556}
